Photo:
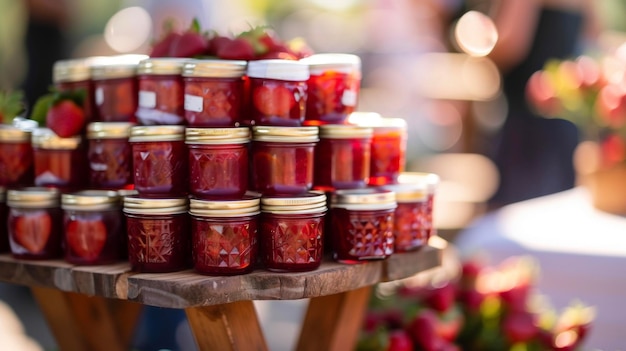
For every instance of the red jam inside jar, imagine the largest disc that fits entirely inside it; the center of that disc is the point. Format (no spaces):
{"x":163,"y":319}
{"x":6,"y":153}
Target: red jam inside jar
{"x":278,"y":92}
{"x":59,"y":162}
{"x":292,"y":232}
{"x":214,"y":92}
{"x":161,"y":91}
{"x":432,"y":181}
{"x":410,"y":222}
{"x":218,"y":162}
{"x":159,"y":160}
{"x":158,"y":234}
{"x":282,"y":159}
{"x":110,"y":155}
{"x":361,"y":223}
{"x":16,"y":157}
{"x":35,"y":223}
{"x":116,"y":88}
{"x":342,"y":157}
{"x":4,"y":213}
{"x":333,"y":87}
{"x":224,"y":235}
{"x":92,"y":220}
{"x":74,"y":75}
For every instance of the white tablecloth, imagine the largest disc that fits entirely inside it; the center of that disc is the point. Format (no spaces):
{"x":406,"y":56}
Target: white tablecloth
{"x":581,"y":252}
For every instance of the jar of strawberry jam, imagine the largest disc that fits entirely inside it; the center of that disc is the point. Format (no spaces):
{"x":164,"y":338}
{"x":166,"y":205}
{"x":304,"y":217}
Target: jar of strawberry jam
{"x":16,"y":157}
{"x":92,"y":220}
{"x":292,"y":232}
{"x":110,"y":155}
{"x":431,"y":182}
{"x":158,"y":233}
{"x":74,"y":75}
{"x":35,"y":223}
{"x":410,"y":227}
{"x":282,"y":159}
{"x":388,"y":147}
{"x":214,"y":92}
{"x":159,"y":160}
{"x":334,"y":87}
{"x":218,"y":162}
{"x":115,"y":89}
{"x":224,"y":235}
{"x":342,"y":157}
{"x":161,"y":91}
{"x":278,"y":91}
{"x":59,"y":162}
{"x":4,"y":213}
{"x":361,"y":224}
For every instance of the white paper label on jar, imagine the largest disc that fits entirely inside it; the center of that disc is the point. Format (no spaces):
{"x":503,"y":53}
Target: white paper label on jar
{"x":99,"y":96}
{"x":193,"y":103}
{"x":348,"y":98}
{"x":147,"y":99}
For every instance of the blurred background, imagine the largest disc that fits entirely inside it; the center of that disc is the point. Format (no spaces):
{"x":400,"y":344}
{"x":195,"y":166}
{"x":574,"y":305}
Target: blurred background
{"x":436,"y":63}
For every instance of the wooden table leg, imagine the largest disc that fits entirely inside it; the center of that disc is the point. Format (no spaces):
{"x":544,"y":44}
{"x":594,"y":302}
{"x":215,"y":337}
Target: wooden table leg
{"x":80,"y":322}
{"x":333,"y":322}
{"x":232,"y":326}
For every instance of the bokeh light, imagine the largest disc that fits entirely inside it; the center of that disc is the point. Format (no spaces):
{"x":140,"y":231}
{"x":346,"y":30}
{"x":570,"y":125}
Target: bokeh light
{"x":128,"y":29}
{"x":476,"y":34}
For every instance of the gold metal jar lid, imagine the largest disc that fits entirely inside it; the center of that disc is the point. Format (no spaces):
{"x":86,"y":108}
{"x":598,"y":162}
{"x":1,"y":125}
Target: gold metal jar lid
{"x":74,"y":70}
{"x":238,"y":135}
{"x":311,"y":202}
{"x":117,"y":66}
{"x":285,"y":134}
{"x":109,"y":130}
{"x":46,"y":139}
{"x":344,"y":131}
{"x":127,"y":192}
{"x":345,"y":63}
{"x":134,"y":204}
{"x":13,"y":134}
{"x":91,"y":200}
{"x":3,"y":194}
{"x":431,"y":180}
{"x":34,"y":197}
{"x":157,"y":133}
{"x":162,"y":66}
{"x":363,"y":199}
{"x":248,"y":206}
{"x":215,"y":68}
{"x":409,"y":192}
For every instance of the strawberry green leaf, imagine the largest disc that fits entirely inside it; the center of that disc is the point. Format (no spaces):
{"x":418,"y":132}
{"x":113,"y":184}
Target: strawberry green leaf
{"x":195,"y":26}
{"x":40,"y":109}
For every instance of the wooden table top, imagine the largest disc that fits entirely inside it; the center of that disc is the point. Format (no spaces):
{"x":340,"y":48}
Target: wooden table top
{"x":189,"y":289}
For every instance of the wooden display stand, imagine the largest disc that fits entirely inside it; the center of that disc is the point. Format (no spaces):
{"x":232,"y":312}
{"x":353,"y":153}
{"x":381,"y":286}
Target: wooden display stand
{"x":97,"y":307}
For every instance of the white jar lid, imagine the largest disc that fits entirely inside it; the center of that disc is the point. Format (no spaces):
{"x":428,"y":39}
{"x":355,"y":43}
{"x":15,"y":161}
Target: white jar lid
{"x":278,"y":69}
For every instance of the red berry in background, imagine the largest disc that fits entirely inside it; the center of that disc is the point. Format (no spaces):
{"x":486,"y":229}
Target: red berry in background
{"x":519,"y":326}
{"x":236,"y":49}
{"x":216,"y":43}
{"x":450,"y":323}
{"x":541,"y":93}
{"x":516,"y":297}
{"x":441,"y":298}
{"x":163,"y":47}
{"x":65,"y":118}
{"x":423,"y":331}
{"x":399,"y":340}
{"x":471,"y":299}
{"x":613,"y":150}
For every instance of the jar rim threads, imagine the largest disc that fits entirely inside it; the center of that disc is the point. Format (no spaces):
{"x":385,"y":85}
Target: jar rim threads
{"x":33,"y":197}
{"x":214,"y":68}
{"x":248,"y":206}
{"x":285,"y":134}
{"x":363,"y":199}
{"x":91,"y":200}
{"x":157,"y":133}
{"x":134,"y":204}
{"x":217,"y":135}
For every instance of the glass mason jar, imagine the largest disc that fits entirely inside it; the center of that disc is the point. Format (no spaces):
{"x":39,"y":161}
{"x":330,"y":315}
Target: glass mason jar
{"x":410,"y":217}
{"x":159,"y":160}
{"x":75,"y":75}
{"x":214,"y":92}
{"x":432,"y":182}
{"x":16,"y":157}
{"x":92,"y":220}
{"x":224,"y":235}
{"x":4,"y":213}
{"x":282,"y":159}
{"x":158,"y":234}
{"x":35,"y":223}
{"x":278,"y":92}
{"x":59,"y":162}
{"x":361,"y":224}
{"x":115,"y":89}
{"x":161,"y":91}
{"x":334,"y":87}
{"x":218,"y":162}
{"x":110,"y":155}
{"x":388,"y":146}
{"x":292,"y":232}
{"x":342,"y":157}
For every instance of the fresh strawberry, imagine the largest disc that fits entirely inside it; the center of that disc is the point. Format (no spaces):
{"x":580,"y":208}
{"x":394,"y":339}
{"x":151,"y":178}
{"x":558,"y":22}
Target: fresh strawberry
{"x":399,"y":340}
{"x":236,"y":49}
{"x":422,"y":330}
{"x":272,"y":100}
{"x":33,"y":231}
{"x":441,"y":298}
{"x":191,"y":43}
{"x":519,"y":327}
{"x":163,"y":47}
{"x":450,"y":323}
{"x":11,"y":104}
{"x":216,"y":42}
{"x":86,"y":239}
{"x":65,"y":118}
